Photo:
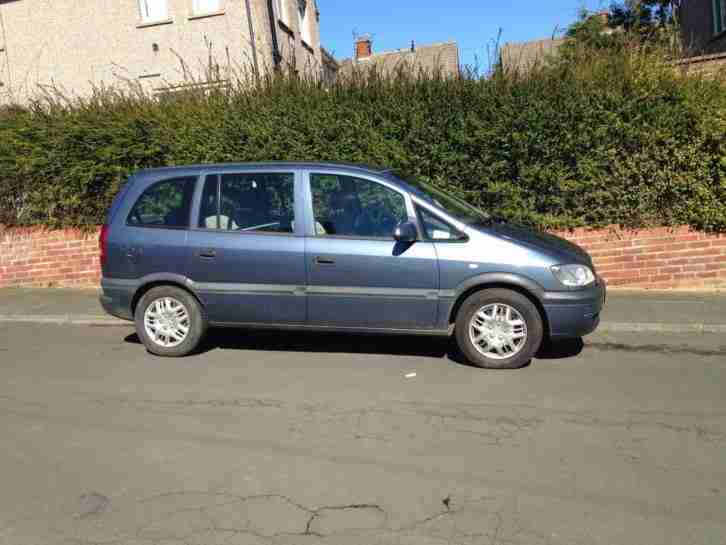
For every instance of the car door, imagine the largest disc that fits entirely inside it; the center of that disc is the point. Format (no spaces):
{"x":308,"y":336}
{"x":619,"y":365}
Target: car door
{"x":358,"y":275}
{"x":248,"y":250}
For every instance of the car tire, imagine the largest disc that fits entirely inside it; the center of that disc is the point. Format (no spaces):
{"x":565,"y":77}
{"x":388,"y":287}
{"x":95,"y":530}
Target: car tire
{"x":170,"y":321}
{"x":493,"y":340}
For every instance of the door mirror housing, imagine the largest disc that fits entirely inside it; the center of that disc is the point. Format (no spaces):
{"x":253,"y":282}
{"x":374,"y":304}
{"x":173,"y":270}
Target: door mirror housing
{"x":405,"y":232}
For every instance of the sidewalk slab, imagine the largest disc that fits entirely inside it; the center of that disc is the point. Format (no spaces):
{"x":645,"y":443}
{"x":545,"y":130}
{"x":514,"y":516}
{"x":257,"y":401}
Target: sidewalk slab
{"x":50,"y":301}
{"x":664,"y":308}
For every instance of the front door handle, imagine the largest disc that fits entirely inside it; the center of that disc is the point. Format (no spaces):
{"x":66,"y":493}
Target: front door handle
{"x":324,"y":260}
{"x":208,"y":253}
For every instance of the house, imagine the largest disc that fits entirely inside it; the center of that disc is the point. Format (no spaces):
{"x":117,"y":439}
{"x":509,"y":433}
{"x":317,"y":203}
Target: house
{"x":330,"y":66}
{"x":440,"y":58}
{"x":703,"y":25}
{"x":523,"y":56}
{"x":75,"y":45}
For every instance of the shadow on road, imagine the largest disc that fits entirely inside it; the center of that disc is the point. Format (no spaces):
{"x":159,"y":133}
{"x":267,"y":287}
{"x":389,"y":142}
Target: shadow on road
{"x":348,"y":343}
{"x":561,"y":349}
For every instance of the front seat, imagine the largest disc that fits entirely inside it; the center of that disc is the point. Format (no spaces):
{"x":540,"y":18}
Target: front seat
{"x":345,"y":209}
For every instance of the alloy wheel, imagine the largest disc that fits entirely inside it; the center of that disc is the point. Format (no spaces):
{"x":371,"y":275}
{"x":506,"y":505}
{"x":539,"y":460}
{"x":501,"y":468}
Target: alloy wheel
{"x":498,"y":331}
{"x":166,"y":322}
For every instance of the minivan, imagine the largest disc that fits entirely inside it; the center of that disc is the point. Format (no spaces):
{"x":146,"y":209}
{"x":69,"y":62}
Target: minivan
{"x":335,"y":247}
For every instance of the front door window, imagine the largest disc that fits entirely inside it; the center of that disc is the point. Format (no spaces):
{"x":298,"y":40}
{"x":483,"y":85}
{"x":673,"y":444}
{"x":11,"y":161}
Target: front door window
{"x":353,"y":207}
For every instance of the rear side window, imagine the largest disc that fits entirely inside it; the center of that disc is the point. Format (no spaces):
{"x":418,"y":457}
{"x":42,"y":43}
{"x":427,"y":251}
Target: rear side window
{"x":251,"y":202}
{"x":164,"y":204}
{"x":117,"y":201}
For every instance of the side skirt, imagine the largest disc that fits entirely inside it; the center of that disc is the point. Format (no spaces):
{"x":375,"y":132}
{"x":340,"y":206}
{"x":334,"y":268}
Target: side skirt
{"x":336,"y":329}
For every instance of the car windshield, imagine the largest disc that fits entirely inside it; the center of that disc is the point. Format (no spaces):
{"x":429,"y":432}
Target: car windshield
{"x":458,"y":208}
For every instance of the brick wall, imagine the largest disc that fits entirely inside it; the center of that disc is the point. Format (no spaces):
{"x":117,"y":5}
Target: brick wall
{"x":39,"y":257}
{"x":648,"y":258}
{"x":656,"y":258}
{"x":706,"y":65}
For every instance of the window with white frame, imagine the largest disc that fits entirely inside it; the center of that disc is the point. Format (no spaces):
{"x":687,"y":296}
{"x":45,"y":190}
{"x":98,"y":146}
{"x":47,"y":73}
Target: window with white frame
{"x":153,"y":10}
{"x":719,"y":16}
{"x":303,"y":14}
{"x":206,"y":6}
{"x":281,"y":8}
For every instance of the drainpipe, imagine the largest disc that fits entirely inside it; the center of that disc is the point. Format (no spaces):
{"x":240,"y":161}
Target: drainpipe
{"x":4,"y":53}
{"x":252,"y":39}
{"x":276,"y":57}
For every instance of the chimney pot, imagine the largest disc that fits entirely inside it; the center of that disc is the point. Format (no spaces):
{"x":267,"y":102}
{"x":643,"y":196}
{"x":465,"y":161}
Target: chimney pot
{"x":363,"y":47}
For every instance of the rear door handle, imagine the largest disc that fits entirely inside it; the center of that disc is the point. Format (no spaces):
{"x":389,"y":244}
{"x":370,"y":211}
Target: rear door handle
{"x":208,"y":253}
{"x":324,"y":260}
{"x":132,"y":253}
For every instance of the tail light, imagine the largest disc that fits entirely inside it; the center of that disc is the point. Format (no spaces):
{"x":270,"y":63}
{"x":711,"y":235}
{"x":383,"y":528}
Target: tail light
{"x":102,"y":244}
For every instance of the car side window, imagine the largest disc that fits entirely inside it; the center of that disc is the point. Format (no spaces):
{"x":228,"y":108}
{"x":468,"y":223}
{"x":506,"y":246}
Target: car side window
{"x":437,"y":229}
{"x":251,"y":202}
{"x":164,"y":204}
{"x":354,"y":207}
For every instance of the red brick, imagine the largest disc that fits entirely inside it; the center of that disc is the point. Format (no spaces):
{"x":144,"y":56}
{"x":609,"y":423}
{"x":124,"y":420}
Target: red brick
{"x":692,"y":253}
{"x":661,"y":278}
{"x":692,"y":260}
{"x":617,"y":259}
{"x":653,"y":241}
{"x":700,"y":244}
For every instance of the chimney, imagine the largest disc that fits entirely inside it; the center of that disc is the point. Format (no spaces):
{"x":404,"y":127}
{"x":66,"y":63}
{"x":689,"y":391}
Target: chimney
{"x":363,"y":46}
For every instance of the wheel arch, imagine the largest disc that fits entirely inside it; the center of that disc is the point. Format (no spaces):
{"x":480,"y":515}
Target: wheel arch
{"x":523,"y":286}
{"x":147,"y":286}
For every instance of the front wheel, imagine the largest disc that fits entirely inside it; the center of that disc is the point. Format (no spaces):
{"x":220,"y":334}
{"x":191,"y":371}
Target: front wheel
{"x":169,"y":321}
{"x":498,"y":329}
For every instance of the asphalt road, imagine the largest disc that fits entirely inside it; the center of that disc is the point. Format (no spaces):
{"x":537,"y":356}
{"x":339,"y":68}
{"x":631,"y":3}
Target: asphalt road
{"x":297,"y":439}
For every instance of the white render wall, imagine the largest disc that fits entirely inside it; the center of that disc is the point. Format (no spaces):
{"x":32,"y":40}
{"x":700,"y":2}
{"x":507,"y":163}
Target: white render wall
{"x":76,"y":44}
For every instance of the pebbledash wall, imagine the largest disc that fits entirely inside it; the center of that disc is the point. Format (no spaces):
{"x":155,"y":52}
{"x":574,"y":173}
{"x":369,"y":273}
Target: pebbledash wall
{"x":648,"y":258}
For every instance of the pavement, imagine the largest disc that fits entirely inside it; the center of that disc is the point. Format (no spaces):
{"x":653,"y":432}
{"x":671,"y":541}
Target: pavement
{"x":306,"y":438}
{"x":625,"y":311}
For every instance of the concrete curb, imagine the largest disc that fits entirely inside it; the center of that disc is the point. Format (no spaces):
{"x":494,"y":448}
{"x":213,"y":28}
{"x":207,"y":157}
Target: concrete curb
{"x":64,"y":319}
{"x":605,"y":327}
{"x":654,"y":327}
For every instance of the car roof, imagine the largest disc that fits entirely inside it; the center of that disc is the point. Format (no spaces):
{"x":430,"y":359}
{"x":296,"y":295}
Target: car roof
{"x":151,"y":175}
{"x":182,"y":170}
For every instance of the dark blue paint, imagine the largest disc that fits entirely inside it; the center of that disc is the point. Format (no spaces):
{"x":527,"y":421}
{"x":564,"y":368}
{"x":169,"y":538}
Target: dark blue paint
{"x":360,"y":284}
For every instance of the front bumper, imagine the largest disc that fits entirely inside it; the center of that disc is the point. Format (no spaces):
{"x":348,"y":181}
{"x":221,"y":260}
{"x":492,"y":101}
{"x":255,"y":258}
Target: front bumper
{"x":574,"y":313}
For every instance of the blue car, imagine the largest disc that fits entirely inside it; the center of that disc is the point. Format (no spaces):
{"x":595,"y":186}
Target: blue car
{"x":335,"y":247}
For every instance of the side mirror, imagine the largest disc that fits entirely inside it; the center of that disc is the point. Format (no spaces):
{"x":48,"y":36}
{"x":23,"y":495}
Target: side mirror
{"x":405,"y":232}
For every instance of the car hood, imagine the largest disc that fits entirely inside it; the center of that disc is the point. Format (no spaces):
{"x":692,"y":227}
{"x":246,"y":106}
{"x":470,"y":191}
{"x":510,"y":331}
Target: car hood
{"x":560,"y":249}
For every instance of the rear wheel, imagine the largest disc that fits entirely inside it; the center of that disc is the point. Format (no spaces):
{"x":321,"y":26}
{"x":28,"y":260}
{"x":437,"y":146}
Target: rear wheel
{"x":498,"y":329}
{"x":169,"y":321}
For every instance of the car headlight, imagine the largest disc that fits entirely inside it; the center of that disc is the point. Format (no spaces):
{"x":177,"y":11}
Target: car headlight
{"x":573,"y":275}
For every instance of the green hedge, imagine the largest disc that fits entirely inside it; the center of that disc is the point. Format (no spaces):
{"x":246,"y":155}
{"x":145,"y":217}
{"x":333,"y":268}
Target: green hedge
{"x":615,"y":140}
